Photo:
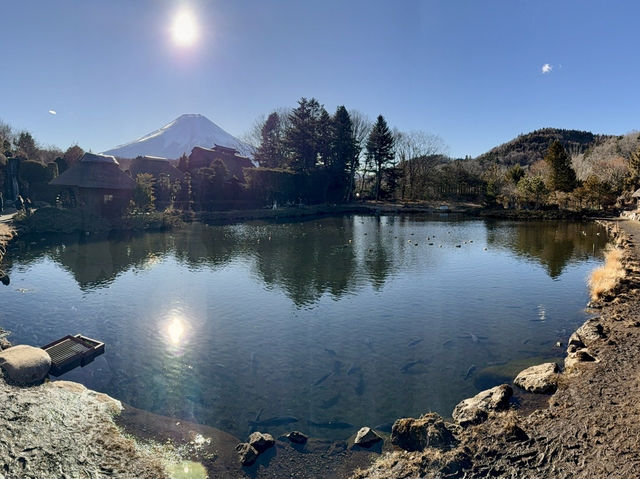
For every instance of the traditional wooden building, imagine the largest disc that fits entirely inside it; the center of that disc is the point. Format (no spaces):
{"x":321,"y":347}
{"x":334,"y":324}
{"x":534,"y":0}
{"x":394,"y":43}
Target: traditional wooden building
{"x":96,"y":182}
{"x":203,"y":157}
{"x":156,"y":166}
{"x":636,"y":195}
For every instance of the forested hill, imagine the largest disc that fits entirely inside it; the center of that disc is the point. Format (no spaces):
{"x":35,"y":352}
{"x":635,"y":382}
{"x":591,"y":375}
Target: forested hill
{"x":531,"y":147}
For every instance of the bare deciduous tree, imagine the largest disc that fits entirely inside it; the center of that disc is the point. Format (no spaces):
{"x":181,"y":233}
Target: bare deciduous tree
{"x":411,"y":147}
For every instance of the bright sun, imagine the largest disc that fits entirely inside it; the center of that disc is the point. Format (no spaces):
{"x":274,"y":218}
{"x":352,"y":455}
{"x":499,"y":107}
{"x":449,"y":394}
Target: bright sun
{"x":184,"y":29}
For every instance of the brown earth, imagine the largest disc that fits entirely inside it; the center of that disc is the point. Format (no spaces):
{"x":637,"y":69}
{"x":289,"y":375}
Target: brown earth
{"x":591,"y":426}
{"x":215,"y":449}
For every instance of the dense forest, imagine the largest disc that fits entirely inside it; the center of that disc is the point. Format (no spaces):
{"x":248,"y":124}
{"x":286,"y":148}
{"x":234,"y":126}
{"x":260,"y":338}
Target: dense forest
{"x":307,"y":156}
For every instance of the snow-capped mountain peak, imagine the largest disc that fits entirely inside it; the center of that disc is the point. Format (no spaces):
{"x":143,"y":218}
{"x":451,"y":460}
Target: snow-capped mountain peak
{"x":180,"y":136}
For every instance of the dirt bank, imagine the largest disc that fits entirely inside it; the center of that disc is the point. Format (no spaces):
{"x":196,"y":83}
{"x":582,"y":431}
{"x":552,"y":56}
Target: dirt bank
{"x":591,"y":426}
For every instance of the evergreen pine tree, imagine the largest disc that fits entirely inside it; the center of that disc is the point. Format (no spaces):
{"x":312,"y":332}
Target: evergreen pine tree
{"x":301,"y":137}
{"x":562,"y":176}
{"x":324,"y":133}
{"x":345,"y":150}
{"x":270,"y":153}
{"x":380,"y":149}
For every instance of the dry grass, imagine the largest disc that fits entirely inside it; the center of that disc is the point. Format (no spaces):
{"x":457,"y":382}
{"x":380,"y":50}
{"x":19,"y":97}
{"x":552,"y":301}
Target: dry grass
{"x":6,"y":230}
{"x":6,"y":233}
{"x":605,"y":278}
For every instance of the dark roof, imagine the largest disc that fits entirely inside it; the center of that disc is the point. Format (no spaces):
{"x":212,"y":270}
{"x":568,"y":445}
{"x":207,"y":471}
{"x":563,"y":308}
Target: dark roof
{"x":203,"y":157}
{"x":98,"y":158}
{"x":95,"y":171}
{"x":225,"y":149}
{"x":155,"y":166}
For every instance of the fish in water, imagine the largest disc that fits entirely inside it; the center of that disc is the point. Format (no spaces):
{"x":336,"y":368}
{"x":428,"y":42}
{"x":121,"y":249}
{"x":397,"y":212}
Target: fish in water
{"x":409,"y":366}
{"x":447,"y":342}
{"x":330,"y":351}
{"x":416,"y":341}
{"x":369,"y":343}
{"x":257,"y":419}
{"x":473,"y":337}
{"x":331,"y":424}
{"x":359,"y":389}
{"x":353,"y":369}
{"x":274,"y":421}
{"x":330,"y":402}
{"x":323,"y":379}
{"x":470,"y":371}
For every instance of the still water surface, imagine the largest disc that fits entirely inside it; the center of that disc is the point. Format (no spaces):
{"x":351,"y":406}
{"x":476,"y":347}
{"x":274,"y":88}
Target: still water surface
{"x":334,"y":322}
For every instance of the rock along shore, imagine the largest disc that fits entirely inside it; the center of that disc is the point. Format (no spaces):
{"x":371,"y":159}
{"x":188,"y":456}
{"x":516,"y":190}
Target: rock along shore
{"x":63,"y":430}
{"x":589,"y":429}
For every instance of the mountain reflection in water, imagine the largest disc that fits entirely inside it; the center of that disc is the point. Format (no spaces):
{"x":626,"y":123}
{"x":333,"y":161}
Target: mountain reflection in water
{"x":348,"y":320}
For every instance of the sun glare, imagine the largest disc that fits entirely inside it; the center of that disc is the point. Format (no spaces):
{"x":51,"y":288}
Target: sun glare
{"x":175,"y":330}
{"x":184,"y":30}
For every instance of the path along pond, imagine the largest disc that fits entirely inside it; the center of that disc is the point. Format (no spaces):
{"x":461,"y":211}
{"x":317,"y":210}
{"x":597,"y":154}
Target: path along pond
{"x":335,"y":322}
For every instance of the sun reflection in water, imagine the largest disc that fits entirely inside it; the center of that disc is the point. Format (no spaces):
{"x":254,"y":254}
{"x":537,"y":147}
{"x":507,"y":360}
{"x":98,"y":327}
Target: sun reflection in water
{"x":175,"y":330}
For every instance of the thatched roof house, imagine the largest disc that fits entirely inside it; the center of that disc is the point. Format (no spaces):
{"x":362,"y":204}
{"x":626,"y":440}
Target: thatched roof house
{"x":203,"y":157}
{"x":97,"y":182}
{"x":156,"y":166}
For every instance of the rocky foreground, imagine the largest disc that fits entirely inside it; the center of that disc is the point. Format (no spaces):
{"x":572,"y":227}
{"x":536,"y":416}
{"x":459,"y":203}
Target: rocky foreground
{"x":590,"y":429}
{"x":63,"y":430}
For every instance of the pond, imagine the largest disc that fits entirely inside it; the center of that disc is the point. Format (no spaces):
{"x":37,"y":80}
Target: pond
{"x":322,"y":326}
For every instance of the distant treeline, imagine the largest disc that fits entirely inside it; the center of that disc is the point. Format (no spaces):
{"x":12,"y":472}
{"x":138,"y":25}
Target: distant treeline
{"x":308,"y":156}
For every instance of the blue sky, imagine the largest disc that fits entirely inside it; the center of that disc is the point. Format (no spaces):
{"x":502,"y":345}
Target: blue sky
{"x":470,"y":71}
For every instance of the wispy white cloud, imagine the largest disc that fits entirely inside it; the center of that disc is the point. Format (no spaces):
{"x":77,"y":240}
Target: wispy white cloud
{"x":546,"y":68}
{"x":53,"y":112}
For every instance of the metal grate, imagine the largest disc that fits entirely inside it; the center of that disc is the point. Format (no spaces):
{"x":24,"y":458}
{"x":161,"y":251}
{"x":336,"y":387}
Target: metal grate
{"x":66,"y":350}
{"x":72,"y":351}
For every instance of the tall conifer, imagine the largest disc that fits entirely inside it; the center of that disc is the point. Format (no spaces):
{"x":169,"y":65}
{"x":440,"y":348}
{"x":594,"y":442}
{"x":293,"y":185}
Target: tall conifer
{"x":562,"y":175}
{"x":380,"y":149}
{"x":270,"y":152}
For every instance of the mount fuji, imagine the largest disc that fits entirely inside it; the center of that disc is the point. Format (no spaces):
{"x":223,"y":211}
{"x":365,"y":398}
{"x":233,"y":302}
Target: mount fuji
{"x":180,"y":136}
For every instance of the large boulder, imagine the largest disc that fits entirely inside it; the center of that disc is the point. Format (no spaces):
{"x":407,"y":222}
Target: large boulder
{"x":542,"y":378}
{"x":476,"y":409}
{"x":261,"y":441}
{"x":24,"y":365}
{"x":366,"y":437}
{"x":417,"y":434}
{"x":247,"y":454}
{"x":590,"y":332}
{"x":576,"y":357}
